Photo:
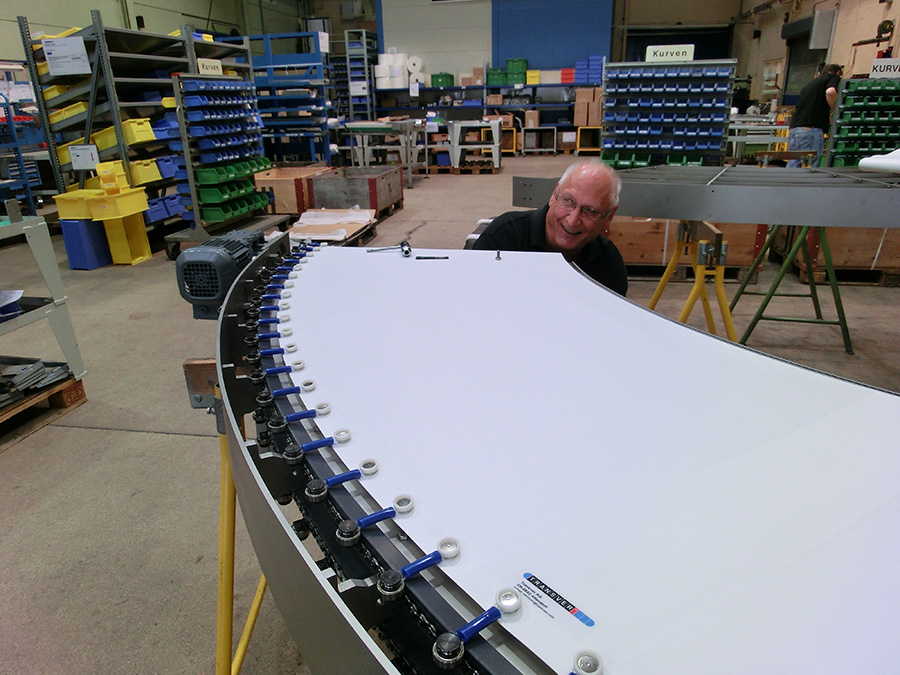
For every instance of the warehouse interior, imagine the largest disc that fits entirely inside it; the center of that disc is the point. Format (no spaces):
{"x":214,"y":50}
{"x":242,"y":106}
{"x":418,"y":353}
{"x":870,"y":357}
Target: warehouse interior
{"x":110,"y":506}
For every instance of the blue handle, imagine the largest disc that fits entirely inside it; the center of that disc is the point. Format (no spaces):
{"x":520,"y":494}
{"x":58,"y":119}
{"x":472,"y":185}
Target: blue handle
{"x":343,"y":477}
{"x":268,"y":336}
{"x":478,"y":624}
{"x":272,"y":296}
{"x":376,"y":517}
{"x":278,"y":369}
{"x":286,"y":392}
{"x":307,"y":248}
{"x":302,"y":415}
{"x":272,"y":351}
{"x":285,"y":268}
{"x":280,"y":276}
{"x":315,"y":445}
{"x":274,"y":287}
{"x":417,"y":566}
{"x":291,"y":261}
{"x":273,"y":319}
{"x":314,"y":243}
{"x":269,"y":308}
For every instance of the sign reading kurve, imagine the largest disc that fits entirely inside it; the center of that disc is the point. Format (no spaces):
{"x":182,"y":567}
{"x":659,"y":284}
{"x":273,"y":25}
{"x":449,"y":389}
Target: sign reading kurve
{"x":670,"y":53}
{"x":884,"y":68}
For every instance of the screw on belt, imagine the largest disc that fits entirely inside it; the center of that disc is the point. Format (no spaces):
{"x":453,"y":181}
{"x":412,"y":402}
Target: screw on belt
{"x":707,"y":257}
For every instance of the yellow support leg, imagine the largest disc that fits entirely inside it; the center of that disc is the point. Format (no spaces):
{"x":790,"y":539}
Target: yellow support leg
{"x":719,"y":280}
{"x":249,"y":626}
{"x":670,"y":270}
{"x":225,"y":612}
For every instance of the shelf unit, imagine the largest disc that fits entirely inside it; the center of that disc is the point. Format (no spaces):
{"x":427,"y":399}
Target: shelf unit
{"x":666,"y":113}
{"x":361,"y":51}
{"x":291,"y":90}
{"x":221,"y":147}
{"x":458,"y":145}
{"x":866,"y":121}
{"x":538,"y":139}
{"x":19,"y":181}
{"x":54,"y":308}
{"x":125,"y":104}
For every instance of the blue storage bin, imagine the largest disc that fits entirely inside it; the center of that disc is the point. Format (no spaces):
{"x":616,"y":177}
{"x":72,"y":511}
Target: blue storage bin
{"x":156,"y":210}
{"x":167,"y":166}
{"x":173,"y":205}
{"x":86,"y":244}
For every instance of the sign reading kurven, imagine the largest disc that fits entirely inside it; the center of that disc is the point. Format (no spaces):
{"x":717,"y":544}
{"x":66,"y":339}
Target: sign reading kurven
{"x":669,"y":53}
{"x":885,"y":68}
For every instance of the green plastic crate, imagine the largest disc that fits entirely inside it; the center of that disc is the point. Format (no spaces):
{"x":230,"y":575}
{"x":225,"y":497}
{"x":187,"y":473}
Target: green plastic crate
{"x":217,"y":214}
{"x":442,"y":79}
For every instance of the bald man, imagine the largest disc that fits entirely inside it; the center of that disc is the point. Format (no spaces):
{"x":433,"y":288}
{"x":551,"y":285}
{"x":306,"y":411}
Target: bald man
{"x":581,"y":207}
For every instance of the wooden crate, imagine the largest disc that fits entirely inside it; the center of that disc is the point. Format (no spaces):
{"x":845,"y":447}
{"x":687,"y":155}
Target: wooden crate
{"x":291,"y":185}
{"x":376,"y":187}
{"x":650,"y":241}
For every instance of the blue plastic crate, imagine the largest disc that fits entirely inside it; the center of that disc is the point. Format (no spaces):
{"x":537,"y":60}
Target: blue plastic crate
{"x":86,"y":244}
{"x":156,"y":211}
{"x":167,"y":166}
{"x":173,"y":205}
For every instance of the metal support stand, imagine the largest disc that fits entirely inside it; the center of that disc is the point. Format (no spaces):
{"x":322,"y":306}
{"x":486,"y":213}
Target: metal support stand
{"x":200,"y":375}
{"x":708,"y":260}
{"x":799,"y":245}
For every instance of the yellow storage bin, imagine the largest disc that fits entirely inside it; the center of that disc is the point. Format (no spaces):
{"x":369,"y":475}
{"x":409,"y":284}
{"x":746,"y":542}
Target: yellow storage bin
{"x":43,"y":68}
{"x":54,"y":91}
{"x":127,"y":238}
{"x":168,"y":101}
{"x":118,"y":203}
{"x":145,"y":171}
{"x":65,"y":33}
{"x":68,"y":111}
{"x":112,"y":174}
{"x":92,"y":183}
{"x":105,"y":138}
{"x":532,"y":77}
{"x":62,"y":151}
{"x":76,"y":205}
{"x":138,"y":131}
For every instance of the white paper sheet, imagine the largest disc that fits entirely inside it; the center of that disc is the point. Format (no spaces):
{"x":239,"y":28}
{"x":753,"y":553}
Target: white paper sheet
{"x":706,"y":508}
{"x":889,"y":162}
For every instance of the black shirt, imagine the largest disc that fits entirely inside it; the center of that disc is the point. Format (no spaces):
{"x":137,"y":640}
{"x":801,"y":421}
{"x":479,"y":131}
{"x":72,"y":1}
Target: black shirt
{"x":812,"y":108}
{"x":526,"y":231}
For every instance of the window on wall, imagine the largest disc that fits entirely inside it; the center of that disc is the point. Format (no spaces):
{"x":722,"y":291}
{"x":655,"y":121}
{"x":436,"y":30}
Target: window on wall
{"x":803,"y":64}
{"x":709,"y":43}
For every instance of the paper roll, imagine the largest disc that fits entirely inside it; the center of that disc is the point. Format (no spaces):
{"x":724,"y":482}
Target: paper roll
{"x":419,"y":77}
{"x":414,"y":64}
{"x":399,"y":82}
{"x":400,"y":60}
{"x":397,"y":71}
{"x":383,"y":83}
{"x":382,"y":71}
{"x":385,"y":59}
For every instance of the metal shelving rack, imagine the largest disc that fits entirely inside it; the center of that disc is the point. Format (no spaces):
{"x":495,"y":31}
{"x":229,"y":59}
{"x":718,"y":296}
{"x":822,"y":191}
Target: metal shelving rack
{"x":292,"y":96}
{"x":866,"y":121}
{"x":666,"y":113}
{"x":361,"y":50}
{"x":54,"y":308}
{"x":20,"y":185}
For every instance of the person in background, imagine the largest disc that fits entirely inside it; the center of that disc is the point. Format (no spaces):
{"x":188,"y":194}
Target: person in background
{"x":581,"y":207}
{"x":812,"y":114}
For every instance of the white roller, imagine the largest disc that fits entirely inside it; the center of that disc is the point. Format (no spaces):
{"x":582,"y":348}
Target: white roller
{"x":399,"y":82}
{"x":382,"y":83}
{"x":382,"y":71}
{"x":419,"y":77}
{"x":414,"y":64}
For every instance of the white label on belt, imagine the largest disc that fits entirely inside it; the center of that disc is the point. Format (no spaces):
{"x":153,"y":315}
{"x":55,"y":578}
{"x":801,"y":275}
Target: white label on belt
{"x":549,"y":601}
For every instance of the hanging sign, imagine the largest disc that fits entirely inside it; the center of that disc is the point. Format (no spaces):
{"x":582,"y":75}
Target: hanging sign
{"x":885,"y":68}
{"x":669,"y":53}
{"x":66,"y":56}
{"x":84,"y":156}
{"x":209,"y":66}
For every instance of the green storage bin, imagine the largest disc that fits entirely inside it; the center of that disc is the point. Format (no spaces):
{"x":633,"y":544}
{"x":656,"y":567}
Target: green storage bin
{"x":213,"y":175}
{"x":442,"y":79}
{"x":215,"y":194}
{"x":516,"y":66}
{"x":217,"y":214}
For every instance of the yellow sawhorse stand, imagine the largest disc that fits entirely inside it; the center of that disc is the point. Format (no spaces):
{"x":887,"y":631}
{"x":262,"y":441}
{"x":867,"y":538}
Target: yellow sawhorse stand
{"x":200,"y":375}
{"x":707,"y":260}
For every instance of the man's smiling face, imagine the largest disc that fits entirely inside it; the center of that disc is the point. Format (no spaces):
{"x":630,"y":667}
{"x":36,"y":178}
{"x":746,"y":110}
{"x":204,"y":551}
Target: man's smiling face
{"x":579,"y":210}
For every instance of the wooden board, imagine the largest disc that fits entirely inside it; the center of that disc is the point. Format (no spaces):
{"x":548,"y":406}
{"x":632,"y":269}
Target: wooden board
{"x":60,"y":398}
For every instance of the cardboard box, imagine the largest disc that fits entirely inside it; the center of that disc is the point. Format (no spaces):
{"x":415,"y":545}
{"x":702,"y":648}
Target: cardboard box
{"x":581,"y":113}
{"x":532,"y":118}
{"x":291,"y":186}
{"x":595,"y":114}
{"x":478,"y":72}
{"x":584,"y":95}
{"x":472,"y":137}
{"x":494,"y":99}
{"x":505,"y":120}
{"x":439,"y":138}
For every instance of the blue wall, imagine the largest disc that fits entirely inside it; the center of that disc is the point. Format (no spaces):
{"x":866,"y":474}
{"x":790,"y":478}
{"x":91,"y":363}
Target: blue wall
{"x":549,"y":33}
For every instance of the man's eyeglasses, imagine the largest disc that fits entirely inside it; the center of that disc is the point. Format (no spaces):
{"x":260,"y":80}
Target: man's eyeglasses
{"x":568,"y":205}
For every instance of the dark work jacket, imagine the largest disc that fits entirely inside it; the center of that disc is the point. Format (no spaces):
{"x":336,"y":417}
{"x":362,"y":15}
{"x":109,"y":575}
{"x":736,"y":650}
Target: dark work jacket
{"x":812,"y":107}
{"x":526,"y":231}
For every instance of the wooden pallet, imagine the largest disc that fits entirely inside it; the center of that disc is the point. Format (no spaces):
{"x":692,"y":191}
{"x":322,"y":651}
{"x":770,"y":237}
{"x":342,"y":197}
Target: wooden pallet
{"x":476,"y":169}
{"x":852,"y":276}
{"x":59,"y":398}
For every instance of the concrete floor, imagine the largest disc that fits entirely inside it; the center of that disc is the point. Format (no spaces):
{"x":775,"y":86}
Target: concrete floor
{"x":108,"y":515}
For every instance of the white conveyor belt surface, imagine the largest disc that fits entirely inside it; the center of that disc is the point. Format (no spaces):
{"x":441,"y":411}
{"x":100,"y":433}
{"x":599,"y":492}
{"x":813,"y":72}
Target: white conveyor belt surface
{"x":706,"y":508}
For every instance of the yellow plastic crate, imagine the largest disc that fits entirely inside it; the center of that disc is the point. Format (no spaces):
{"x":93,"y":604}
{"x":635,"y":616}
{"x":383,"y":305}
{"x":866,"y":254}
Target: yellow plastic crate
{"x":118,"y":203}
{"x":43,"y":68}
{"x":76,"y":205}
{"x":65,"y":33}
{"x":68,"y":111}
{"x":112,"y":174}
{"x":127,"y":238}
{"x":54,"y":91}
{"x":62,"y":151}
{"x":168,"y":101}
{"x":92,"y":183}
{"x":532,"y":77}
{"x":138,"y":131}
{"x":105,"y":138}
{"x":144,"y":171}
